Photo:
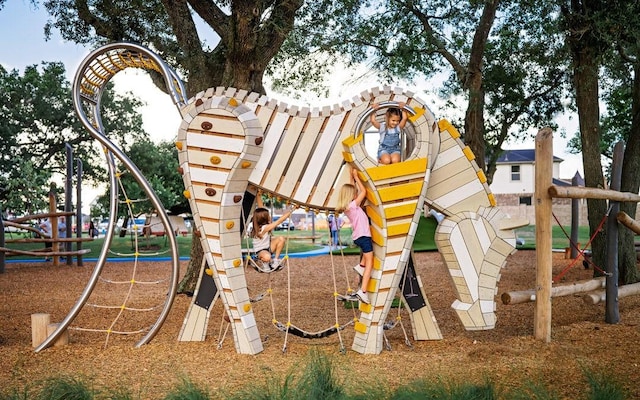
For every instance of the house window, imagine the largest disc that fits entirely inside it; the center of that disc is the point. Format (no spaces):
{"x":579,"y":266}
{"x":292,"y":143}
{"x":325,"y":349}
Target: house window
{"x":526,"y":200}
{"x":515,"y":172}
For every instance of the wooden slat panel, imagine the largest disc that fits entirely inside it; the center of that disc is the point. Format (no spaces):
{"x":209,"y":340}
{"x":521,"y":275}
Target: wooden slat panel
{"x":318,"y":160}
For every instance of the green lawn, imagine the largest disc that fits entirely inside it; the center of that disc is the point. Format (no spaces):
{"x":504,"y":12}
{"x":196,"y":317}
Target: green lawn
{"x":159,"y":246}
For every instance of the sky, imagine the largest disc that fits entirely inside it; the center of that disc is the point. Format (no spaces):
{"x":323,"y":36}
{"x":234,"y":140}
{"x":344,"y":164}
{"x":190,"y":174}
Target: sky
{"x":19,"y":20}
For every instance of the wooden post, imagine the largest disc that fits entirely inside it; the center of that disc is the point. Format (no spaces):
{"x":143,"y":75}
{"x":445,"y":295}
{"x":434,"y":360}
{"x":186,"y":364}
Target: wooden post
{"x":612,"y":313}
{"x":39,"y":323}
{"x":575,"y":218}
{"x":544,"y":256}
{"x":63,"y":339}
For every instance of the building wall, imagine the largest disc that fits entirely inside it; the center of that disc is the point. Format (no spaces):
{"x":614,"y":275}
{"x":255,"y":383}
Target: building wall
{"x":503,"y":184}
{"x":510,"y":205}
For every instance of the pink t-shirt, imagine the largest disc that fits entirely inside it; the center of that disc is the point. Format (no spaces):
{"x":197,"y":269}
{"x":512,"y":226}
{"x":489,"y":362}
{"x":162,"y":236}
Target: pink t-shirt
{"x":359,"y":220}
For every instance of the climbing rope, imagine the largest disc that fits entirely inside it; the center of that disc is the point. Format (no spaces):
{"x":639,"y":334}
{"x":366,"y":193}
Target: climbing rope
{"x":581,"y":251}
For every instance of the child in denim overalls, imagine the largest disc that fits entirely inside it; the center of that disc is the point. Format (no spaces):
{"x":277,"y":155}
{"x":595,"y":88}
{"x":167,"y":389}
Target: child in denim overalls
{"x":389,"y":144}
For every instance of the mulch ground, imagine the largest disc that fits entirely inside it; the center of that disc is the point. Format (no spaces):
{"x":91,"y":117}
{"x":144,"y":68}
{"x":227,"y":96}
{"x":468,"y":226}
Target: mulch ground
{"x":508,"y":355}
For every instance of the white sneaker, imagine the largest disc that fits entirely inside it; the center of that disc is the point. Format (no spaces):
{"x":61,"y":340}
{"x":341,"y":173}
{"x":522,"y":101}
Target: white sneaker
{"x":359,"y":269}
{"x":360,"y":296}
{"x":277,"y":264}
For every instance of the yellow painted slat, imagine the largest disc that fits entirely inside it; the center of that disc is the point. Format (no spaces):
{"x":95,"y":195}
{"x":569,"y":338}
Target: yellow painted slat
{"x":482,"y":176}
{"x":351,"y":140}
{"x":399,"y":229}
{"x":398,"y":169}
{"x":445,"y":125}
{"x":348,"y":157}
{"x":374,"y":216}
{"x":468,"y":153}
{"x":399,"y":192}
{"x":371,"y":196}
{"x":360,"y":327}
{"x":419,"y":112}
{"x":400,"y":211}
{"x":376,"y":237}
{"x":365,"y":308}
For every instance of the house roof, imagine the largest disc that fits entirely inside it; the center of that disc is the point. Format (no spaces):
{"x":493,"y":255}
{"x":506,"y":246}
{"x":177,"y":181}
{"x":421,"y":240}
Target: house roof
{"x":523,"y":156}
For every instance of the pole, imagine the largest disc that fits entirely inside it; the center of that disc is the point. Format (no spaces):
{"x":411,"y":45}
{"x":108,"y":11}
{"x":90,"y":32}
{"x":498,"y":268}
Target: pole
{"x":575,"y":219}
{"x":612,"y":313}
{"x":544,"y":256}
{"x":79,"y":222}
{"x":68,"y":187}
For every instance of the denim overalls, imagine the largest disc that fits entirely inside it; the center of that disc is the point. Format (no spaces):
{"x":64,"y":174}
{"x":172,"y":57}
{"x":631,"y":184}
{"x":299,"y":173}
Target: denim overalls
{"x":389,"y":140}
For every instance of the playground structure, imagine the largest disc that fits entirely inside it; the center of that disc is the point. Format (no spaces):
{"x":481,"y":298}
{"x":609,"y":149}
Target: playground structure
{"x":545,"y":191}
{"x":233,"y":144}
{"x":60,"y":247}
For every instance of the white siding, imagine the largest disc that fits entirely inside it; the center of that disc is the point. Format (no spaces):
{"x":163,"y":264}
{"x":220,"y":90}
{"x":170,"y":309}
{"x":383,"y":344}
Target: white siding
{"x":502,"y":183}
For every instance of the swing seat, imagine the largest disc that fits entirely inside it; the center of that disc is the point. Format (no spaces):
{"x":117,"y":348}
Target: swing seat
{"x":263,"y":266}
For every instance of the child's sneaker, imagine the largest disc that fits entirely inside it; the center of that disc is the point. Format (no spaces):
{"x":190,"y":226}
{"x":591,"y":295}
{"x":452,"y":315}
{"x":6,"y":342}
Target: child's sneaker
{"x":359,"y":269}
{"x":360,"y":296}
{"x":277,"y":264}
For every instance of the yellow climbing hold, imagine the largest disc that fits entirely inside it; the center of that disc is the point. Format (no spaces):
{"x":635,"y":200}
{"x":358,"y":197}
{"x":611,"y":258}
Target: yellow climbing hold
{"x":215,"y":160}
{"x":245,"y":164}
{"x":208,"y":271}
{"x":237,"y":262}
{"x":230,"y":224}
{"x":233,"y":102}
{"x":247,"y":307}
{"x":187,"y":194}
{"x":179,"y":145}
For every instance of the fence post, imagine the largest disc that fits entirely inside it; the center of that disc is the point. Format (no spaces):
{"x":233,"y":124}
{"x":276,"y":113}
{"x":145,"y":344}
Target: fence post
{"x":544,"y":256}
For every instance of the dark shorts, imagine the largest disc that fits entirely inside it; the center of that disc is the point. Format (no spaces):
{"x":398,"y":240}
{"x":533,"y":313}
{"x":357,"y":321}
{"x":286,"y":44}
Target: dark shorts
{"x":365,"y":244}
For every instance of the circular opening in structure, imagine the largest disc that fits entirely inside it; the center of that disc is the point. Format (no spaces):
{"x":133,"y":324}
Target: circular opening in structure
{"x":372,"y":135}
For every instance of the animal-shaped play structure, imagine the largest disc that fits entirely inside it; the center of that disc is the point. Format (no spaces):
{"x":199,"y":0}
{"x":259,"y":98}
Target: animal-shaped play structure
{"x":233,"y":143}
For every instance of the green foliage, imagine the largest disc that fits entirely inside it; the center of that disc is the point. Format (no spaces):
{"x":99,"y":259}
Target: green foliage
{"x":37,"y":120}
{"x":604,"y":386}
{"x":532,"y":391}
{"x":66,"y":388}
{"x":318,"y":381}
{"x":497,"y":69}
{"x":187,"y":390}
{"x":158,"y":163}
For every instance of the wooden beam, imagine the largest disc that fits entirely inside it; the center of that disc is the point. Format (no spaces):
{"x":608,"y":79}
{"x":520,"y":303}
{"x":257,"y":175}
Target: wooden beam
{"x":600,"y":295}
{"x":523,"y":296}
{"x":580,"y":192}
{"x":629,"y":222}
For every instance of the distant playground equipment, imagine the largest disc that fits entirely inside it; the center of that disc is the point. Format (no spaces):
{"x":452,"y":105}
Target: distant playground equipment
{"x":59,"y":246}
{"x":233,"y":143}
{"x":545,"y":191}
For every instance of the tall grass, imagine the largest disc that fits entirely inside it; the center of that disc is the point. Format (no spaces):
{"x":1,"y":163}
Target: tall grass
{"x":320,"y":379}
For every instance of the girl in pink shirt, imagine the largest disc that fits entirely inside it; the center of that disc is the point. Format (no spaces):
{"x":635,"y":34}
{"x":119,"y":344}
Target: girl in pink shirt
{"x":349,"y":200}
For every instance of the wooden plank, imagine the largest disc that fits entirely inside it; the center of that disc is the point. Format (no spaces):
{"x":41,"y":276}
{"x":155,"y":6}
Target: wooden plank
{"x":44,"y":252}
{"x":318,"y":159}
{"x":299,"y":159}
{"x":275,"y":133}
{"x":277,"y":169}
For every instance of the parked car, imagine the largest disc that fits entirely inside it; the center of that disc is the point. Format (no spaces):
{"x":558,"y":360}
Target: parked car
{"x":284,"y":225}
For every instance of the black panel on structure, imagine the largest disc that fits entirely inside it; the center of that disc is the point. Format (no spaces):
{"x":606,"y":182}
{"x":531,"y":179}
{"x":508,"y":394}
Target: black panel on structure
{"x":410,"y":289}
{"x":206,"y":292}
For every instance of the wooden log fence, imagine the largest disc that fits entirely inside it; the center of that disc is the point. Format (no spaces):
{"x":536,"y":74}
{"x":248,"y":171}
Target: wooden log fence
{"x":524,"y":296}
{"x":601,"y":295}
{"x":544,"y":192}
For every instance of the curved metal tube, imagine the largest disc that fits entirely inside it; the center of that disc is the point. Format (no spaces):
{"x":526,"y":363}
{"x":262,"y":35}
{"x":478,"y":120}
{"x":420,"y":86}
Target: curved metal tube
{"x":96,"y":129}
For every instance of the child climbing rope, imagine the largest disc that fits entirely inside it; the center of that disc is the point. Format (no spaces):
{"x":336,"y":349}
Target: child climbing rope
{"x":349,"y":201}
{"x":263,"y":242}
{"x":395,"y":120}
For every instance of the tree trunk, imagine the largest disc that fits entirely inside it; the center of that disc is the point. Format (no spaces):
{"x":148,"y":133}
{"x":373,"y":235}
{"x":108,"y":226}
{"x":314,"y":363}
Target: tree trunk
{"x":474,"y":116}
{"x":627,"y":259}
{"x":190,"y":279}
{"x":584,"y":52}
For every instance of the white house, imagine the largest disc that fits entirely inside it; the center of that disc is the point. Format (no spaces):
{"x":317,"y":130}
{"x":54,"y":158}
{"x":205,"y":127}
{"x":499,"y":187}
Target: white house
{"x":513,"y":184}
